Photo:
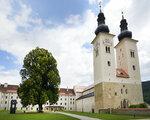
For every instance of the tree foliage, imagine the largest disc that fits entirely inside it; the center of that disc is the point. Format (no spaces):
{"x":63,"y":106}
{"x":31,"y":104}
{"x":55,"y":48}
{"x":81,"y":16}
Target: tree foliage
{"x":146,"y":91}
{"x":41,"y":79}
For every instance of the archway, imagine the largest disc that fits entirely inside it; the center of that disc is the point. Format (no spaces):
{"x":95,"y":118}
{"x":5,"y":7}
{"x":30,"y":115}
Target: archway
{"x":124,"y":103}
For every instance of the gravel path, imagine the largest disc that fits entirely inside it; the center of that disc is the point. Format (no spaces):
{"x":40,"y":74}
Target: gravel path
{"x":78,"y":116}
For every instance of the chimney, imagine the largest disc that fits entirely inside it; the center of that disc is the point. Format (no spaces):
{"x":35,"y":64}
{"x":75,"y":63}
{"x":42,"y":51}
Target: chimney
{"x":5,"y":84}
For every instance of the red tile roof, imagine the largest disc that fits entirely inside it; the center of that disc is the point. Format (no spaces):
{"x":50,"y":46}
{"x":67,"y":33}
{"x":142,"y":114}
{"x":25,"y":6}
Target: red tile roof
{"x":64,"y":91}
{"x":121,"y":73}
{"x":8,"y":88}
{"x":13,"y":88}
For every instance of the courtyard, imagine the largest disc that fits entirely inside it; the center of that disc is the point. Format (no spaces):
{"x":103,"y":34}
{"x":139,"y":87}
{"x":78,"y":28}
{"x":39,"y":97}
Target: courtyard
{"x":4,"y":115}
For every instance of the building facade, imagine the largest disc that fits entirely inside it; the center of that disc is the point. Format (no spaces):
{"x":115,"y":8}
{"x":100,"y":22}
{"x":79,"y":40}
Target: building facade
{"x":8,"y":93}
{"x":66,"y":99}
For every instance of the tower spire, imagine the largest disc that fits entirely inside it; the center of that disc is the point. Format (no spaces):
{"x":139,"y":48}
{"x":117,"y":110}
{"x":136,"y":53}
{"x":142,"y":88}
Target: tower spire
{"x":101,"y":22}
{"x":100,"y":6}
{"x":122,"y":15}
{"x":124,"y":32}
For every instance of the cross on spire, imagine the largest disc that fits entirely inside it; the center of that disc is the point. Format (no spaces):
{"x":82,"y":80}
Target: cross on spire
{"x":100,"y":5}
{"x":122,"y":15}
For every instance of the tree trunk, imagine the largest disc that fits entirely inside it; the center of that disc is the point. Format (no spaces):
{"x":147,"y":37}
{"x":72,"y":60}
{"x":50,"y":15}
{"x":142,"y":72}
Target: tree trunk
{"x":40,"y":108}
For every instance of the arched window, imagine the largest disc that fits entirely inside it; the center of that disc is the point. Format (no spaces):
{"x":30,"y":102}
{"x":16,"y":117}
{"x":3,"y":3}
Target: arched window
{"x":126,"y":91}
{"x":108,"y":62}
{"x":121,"y":91}
{"x":133,"y":67}
{"x":132,"y":54}
{"x":107,"y":48}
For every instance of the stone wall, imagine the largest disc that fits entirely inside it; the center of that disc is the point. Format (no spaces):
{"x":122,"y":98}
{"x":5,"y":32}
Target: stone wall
{"x":111,"y":94}
{"x":127,"y":111}
{"x":85,"y":105}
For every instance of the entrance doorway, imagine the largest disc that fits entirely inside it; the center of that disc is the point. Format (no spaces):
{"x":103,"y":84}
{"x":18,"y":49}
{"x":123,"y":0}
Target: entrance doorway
{"x":124,"y":103}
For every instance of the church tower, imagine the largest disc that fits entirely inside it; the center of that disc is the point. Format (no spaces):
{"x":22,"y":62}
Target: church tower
{"x":104,"y":63}
{"x":115,"y":87}
{"x":128,"y":61}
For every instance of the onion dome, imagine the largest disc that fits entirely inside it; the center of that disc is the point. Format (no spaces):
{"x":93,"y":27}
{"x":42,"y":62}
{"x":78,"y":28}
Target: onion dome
{"x":101,"y":23}
{"x":124,"y":33}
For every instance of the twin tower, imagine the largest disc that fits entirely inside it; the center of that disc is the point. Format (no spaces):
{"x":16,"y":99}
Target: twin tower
{"x":117,"y":80}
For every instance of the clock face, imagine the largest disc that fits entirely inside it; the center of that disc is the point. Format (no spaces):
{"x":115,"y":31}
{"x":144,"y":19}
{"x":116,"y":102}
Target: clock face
{"x":107,"y":42}
{"x":96,"y":48}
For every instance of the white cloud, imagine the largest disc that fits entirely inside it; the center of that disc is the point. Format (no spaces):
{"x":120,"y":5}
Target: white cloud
{"x":137,"y":14}
{"x":9,"y":76}
{"x":66,"y":41}
{"x":91,"y":2}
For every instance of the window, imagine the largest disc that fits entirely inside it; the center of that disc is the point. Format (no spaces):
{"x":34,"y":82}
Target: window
{"x":60,"y":98}
{"x":107,"y":49}
{"x":70,"y":98}
{"x":121,"y":91}
{"x":6,"y":97}
{"x":126,"y":91}
{"x":115,"y":93}
{"x":11,"y":97}
{"x":65,"y":103}
{"x":133,"y":67}
{"x":5,"y":102}
{"x":60,"y":103}
{"x":132,"y":54}
{"x":70,"y":108}
{"x":108,"y":62}
{"x":65,"y":99}
{"x":70,"y":102}
{"x":123,"y":85}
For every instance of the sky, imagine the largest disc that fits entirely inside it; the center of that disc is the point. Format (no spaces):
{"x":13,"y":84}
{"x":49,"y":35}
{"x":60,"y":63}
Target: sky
{"x":66,"y":28}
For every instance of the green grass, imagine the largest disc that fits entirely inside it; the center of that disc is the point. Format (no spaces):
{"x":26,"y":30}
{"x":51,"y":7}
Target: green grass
{"x":110,"y":116}
{"x":33,"y":116}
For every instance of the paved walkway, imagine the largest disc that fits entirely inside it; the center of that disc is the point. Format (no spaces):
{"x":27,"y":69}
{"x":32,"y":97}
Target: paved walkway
{"x":78,"y":116}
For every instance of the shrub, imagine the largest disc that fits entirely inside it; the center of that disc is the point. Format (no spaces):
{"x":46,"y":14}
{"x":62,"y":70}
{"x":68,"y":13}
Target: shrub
{"x":141,"y":105}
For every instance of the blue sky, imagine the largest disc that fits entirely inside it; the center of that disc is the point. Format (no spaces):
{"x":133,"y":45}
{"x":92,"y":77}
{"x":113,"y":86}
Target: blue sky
{"x":54,"y":10}
{"x":66,"y":28}
{"x":7,"y":60}
{"x":57,"y":10}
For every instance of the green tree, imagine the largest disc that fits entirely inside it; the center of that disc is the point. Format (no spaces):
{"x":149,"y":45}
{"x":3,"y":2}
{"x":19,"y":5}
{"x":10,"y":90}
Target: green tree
{"x":40,"y":77}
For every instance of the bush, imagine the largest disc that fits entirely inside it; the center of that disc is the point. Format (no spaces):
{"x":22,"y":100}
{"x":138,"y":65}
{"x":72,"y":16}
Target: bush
{"x":141,"y":105}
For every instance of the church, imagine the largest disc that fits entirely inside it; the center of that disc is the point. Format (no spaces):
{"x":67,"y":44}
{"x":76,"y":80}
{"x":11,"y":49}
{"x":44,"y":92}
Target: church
{"x":117,"y":80}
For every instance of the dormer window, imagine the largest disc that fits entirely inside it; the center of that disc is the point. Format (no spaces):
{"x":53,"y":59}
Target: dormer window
{"x":107,"y":49}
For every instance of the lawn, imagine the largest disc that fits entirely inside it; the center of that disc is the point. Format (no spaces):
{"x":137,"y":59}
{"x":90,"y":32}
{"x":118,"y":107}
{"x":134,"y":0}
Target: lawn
{"x":34,"y":116}
{"x":110,"y":116}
